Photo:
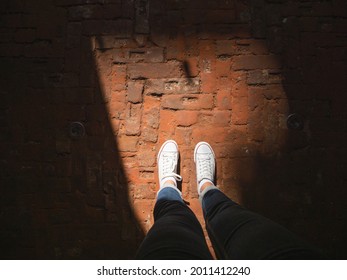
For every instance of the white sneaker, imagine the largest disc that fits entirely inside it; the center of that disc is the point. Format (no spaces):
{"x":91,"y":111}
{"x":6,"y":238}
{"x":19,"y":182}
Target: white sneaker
{"x":167,"y":162}
{"x":205,"y":162}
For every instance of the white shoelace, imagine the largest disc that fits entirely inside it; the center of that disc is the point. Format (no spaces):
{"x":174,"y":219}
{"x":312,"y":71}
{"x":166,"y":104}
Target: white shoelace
{"x":169,"y":166}
{"x":205,"y":167}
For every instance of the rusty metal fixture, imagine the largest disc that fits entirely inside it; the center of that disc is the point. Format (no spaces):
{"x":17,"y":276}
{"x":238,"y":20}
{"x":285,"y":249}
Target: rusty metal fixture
{"x":77,"y":130}
{"x":295,"y":122}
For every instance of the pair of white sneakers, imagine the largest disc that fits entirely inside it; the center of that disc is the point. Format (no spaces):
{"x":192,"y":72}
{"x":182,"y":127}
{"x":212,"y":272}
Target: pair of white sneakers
{"x":204,"y":159}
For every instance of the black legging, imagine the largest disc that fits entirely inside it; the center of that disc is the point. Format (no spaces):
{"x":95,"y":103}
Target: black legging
{"x":235,"y":233}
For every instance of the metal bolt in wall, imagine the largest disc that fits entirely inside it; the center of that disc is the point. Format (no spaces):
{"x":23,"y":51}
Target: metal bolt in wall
{"x":295,"y":122}
{"x":77,"y":130}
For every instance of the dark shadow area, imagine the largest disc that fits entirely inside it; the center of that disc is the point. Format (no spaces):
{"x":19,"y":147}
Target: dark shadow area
{"x":64,"y":197}
{"x":303,"y":184}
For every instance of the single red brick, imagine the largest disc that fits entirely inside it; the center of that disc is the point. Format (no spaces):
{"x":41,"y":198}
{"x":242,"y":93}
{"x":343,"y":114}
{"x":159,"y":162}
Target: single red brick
{"x":149,"y":134}
{"x":187,"y":118}
{"x":282,"y":107}
{"x":239,"y":85}
{"x":112,"y":42}
{"x":223,"y":67}
{"x":135,"y":90}
{"x":188,"y":102}
{"x":192,"y":46}
{"x":118,"y":77}
{"x":143,"y":191}
{"x":192,"y":66}
{"x":146,"y":157}
{"x":221,"y":118}
{"x":205,"y":117}
{"x":256,"y":125}
{"x":167,"y":121}
{"x":209,"y":134}
{"x":186,"y":171}
{"x":117,"y":105}
{"x":150,"y":118}
{"x":171,"y":69}
{"x":205,"y":101}
{"x":173,"y":85}
{"x":133,"y":119}
{"x":239,"y":115}
{"x":127,"y":143}
{"x":105,"y":88}
{"x":259,"y":47}
{"x":130,"y":164}
{"x":274,"y":92}
{"x":241,"y":47}
{"x":182,"y":136}
{"x":120,"y":56}
{"x":207,"y":49}
{"x":155,"y":54}
{"x":137,"y":55}
{"x":224,"y":48}
{"x":176,"y":47}
{"x":148,"y":174}
{"x":250,"y":62}
{"x":223,"y":94}
{"x":172,"y":102}
{"x":258,"y":77}
{"x":255,"y":98}
{"x":223,"y":99}
{"x":207,"y":65}
{"x":104,"y":62}
{"x":208,"y":82}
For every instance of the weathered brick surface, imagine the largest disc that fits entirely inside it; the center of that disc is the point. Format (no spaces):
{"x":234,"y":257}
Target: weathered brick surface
{"x":137,"y":73}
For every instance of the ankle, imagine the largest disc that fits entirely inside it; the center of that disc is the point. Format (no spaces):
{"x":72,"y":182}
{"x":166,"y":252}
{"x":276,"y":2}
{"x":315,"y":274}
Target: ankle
{"x":205,"y":184}
{"x":168,"y":182}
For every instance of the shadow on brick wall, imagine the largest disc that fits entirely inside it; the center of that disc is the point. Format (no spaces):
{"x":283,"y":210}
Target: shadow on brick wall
{"x":300,"y":182}
{"x":64,"y":193}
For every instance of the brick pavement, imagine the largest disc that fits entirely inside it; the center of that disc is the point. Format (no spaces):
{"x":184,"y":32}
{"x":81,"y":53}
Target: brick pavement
{"x":136,"y":73}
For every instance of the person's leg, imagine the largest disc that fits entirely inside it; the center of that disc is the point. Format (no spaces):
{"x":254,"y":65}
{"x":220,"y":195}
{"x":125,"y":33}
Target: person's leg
{"x":176,"y":233}
{"x":237,"y":233}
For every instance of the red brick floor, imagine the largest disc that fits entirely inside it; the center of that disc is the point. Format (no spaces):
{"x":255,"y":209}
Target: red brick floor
{"x":136,"y":73}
